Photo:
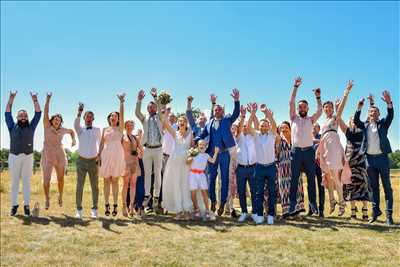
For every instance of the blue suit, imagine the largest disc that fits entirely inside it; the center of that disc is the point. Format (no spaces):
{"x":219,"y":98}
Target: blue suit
{"x":379,"y":164}
{"x":222,"y":138}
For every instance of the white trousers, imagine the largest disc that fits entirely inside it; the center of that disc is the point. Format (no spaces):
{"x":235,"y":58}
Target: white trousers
{"x":20,"y":166}
{"x":152,"y":156}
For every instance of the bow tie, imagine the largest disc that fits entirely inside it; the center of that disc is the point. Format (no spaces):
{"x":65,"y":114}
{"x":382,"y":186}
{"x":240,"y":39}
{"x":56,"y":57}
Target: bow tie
{"x":89,"y":128}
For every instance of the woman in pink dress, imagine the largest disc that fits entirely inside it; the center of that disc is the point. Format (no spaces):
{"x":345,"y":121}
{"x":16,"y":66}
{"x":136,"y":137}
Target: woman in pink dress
{"x":132,"y":170}
{"x":330,"y":152}
{"x":53,"y":154}
{"x":111,"y":155}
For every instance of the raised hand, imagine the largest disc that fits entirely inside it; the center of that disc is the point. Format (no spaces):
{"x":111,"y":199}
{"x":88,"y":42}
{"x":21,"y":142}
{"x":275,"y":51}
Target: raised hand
{"x":34,"y":96}
{"x":268,"y":113}
{"x":317,"y":92}
{"x":121,"y":97}
{"x":371,"y":99}
{"x":386,"y":97}
{"x":213,"y":98}
{"x":13,"y":94}
{"x":153,"y":92}
{"x":297,"y":82}
{"x":361,"y":103}
{"x":48,"y":95}
{"x":349,"y":85}
{"x":337,"y":104}
{"x":141,"y":95}
{"x":190,"y":99}
{"x":235,"y":94}
{"x":80,"y":107}
{"x":254,"y":107}
{"x":243,"y":111}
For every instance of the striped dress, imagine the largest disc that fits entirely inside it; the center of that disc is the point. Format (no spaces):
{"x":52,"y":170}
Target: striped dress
{"x":284,"y":178}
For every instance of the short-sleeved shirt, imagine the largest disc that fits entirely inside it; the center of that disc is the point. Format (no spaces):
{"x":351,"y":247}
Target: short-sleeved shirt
{"x":21,"y":137}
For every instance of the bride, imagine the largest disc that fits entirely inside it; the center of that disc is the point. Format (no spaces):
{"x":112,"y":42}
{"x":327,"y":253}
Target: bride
{"x":176,"y":193}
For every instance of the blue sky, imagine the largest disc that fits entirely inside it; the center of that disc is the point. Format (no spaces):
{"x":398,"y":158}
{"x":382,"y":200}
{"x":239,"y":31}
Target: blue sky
{"x":90,"y":51}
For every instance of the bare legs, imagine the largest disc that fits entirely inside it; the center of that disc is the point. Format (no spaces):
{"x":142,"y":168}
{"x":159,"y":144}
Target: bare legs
{"x":335,"y":183}
{"x":131,"y":181}
{"x":47,"y":170}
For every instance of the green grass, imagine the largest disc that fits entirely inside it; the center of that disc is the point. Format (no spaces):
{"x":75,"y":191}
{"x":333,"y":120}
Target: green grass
{"x":57,"y":238}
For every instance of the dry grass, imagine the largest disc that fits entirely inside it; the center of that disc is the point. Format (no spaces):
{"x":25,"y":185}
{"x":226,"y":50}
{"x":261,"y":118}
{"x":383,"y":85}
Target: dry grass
{"x":57,"y":238}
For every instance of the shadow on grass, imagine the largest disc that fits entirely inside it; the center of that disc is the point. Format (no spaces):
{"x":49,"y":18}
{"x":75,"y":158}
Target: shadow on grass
{"x":315,"y":223}
{"x":65,"y":221}
{"x":107,"y":222}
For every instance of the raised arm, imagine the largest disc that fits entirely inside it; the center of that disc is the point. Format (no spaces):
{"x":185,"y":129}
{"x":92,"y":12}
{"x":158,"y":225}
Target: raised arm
{"x":38,"y":113}
{"x":35,"y":102}
{"x":213,"y":99}
{"x":344,"y":100}
{"x":138,"y":107}
{"x":121,"y":118}
{"x":269,"y":115}
{"x":168,"y":126}
{"x":241,"y":122}
{"x":390,"y":112}
{"x":357,"y":120}
{"x":189,"y":113}
{"x":292,"y":103}
{"x":77,"y":122}
{"x":46,"y":118}
{"x":9,"y":119}
{"x":252,"y":108}
{"x":317,"y":114}
{"x":236,"y":111}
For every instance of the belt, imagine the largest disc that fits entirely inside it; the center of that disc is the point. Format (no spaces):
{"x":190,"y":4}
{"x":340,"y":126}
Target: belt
{"x":331,"y":130}
{"x":147,"y":146}
{"x":246,"y":166}
{"x":197,"y":171}
{"x":303,"y":148}
{"x":375,"y":155}
{"x":266,"y":165}
{"x":87,"y":158}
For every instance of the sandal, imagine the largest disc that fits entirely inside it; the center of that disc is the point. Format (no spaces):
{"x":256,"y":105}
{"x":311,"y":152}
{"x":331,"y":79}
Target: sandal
{"x":332,"y":205}
{"x":107,"y":212}
{"x":342,"y":207}
{"x":353,"y":213}
{"x":60,"y":201}
{"x":124,"y":211}
{"x":114,"y":212}
{"x":365,"y":214}
{"x":197,"y":214}
{"x":131,"y":210}
{"x":47,"y":204}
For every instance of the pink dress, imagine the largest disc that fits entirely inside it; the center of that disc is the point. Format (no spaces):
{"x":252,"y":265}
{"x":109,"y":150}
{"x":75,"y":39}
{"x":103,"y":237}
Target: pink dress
{"x":112,"y":155}
{"x":53,"y":154}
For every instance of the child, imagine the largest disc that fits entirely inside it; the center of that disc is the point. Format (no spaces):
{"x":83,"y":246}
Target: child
{"x":198,"y":179}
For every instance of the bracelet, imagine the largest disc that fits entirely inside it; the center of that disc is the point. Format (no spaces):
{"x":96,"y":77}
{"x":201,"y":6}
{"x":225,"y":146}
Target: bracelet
{"x":296,"y":86}
{"x":213,"y":103}
{"x":318,"y":97}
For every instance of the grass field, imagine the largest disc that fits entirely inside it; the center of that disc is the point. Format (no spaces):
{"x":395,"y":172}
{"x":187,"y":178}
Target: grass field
{"x":57,"y":238}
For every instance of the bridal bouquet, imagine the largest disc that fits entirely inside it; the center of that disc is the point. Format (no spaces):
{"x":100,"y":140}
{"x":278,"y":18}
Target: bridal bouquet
{"x":165,"y":98}
{"x":192,"y":152}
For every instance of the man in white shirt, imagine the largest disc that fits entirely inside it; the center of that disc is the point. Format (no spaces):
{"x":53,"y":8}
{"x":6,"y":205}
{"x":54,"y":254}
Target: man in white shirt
{"x":89,"y":141}
{"x":265,"y":172}
{"x":246,"y":163}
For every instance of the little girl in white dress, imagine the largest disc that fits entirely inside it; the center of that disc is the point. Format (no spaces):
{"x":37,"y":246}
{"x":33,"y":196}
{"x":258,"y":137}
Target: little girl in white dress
{"x":198,"y":179}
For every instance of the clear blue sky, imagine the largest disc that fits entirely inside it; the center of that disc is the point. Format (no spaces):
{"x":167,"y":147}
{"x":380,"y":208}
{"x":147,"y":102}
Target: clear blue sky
{"x":89,"y":51}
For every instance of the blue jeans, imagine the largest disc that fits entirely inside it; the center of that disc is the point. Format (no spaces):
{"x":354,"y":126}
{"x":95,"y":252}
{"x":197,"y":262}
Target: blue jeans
{"x":223,"y":160}
{"x":244,"y":175}
{"x":265,"y":174}
{"x":379,"y":165}
{"x":303,"y":160}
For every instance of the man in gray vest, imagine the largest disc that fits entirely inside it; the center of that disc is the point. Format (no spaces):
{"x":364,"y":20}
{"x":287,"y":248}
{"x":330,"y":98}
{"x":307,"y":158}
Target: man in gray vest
{"x":20,"y":159}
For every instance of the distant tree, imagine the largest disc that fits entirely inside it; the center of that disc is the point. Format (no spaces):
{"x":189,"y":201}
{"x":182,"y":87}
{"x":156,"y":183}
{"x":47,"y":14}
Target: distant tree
{"x":395,"y":160}
{"x":196,"y":113}
{"x":4,"y":158}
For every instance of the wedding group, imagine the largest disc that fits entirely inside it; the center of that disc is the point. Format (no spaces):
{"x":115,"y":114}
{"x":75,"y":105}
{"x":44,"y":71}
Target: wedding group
{"x":194,"y":167}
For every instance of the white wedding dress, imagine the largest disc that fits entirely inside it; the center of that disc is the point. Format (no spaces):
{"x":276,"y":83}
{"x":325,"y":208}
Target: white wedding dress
{"x":176,"y":193}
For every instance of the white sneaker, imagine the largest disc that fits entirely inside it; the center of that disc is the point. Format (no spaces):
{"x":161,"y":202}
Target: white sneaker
{"x":259,"y":219}
{"x":93,"y":214}
{"x":78,"y":214}
{"x":270,"y":220}
{"x":212,"y":216}
{"x":254,"y":217}
{"x":243,"y":217}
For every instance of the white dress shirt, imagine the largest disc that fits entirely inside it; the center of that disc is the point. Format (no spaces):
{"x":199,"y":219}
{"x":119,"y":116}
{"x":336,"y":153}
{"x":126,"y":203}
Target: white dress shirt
{"x":265,"y":147}
{"x":89,"y":140}
{"x":246,"y":150}
{"x":374,"y":145}
{"x":302,"y":132}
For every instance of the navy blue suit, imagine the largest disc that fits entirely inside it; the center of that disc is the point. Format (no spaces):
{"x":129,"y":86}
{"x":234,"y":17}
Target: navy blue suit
{"x":379,"y":164}
{"x":222,"y":138}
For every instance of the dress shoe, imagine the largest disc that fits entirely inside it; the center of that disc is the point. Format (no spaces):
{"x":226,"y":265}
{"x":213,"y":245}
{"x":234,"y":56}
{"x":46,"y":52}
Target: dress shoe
{"x":221,"y":209}
{"x":375,"y":216}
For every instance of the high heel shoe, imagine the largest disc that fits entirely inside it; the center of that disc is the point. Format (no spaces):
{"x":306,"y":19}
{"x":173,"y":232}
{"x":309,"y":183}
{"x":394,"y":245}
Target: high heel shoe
{"x":332,"y":206}
{"x":107,"y":212}
{"x":342,"y":208}
{"x":365,"y":214}
{"x":114,"y":212}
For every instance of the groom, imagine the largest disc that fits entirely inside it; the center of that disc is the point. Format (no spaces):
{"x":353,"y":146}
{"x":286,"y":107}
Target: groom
{"x":218,"y":129}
